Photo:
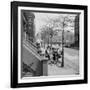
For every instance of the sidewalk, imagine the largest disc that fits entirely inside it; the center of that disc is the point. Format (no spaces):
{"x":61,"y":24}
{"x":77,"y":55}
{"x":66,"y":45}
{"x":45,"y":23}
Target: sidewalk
{"x":71,"y":64}
{"x":66,"y":70}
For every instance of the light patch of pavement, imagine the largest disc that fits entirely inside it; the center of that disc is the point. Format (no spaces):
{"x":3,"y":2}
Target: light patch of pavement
{"x":54,"y":70}
{"x":71,"y":64}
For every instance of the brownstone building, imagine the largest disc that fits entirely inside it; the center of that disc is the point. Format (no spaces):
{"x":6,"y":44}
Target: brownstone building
{"x":31,"y":61}
{"x":28,"y":25}
{"x":77,"y":30}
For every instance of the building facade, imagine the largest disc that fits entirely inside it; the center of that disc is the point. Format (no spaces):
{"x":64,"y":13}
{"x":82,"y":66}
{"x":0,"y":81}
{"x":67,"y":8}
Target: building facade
{"x":77,"y":30}
{"x":28,"y":26}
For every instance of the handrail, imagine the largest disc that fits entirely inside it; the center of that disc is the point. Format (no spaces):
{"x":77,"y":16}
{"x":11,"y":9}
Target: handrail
{"x":34,"y":52}
{"x":31,"y":50}
{"x":30,"y":43}
{"x":33,"y":44}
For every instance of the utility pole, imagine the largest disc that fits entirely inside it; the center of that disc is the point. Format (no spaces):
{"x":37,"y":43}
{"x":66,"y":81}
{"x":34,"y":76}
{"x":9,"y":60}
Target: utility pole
{"x":62,"y":64}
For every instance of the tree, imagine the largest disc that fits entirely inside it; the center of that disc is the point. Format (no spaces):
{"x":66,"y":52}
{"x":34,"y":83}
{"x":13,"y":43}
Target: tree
{"x":62,"y":22}
{"x":46,"y":33}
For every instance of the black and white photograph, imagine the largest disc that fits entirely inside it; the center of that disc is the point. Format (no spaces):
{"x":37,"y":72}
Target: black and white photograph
{"x":50,"y":44}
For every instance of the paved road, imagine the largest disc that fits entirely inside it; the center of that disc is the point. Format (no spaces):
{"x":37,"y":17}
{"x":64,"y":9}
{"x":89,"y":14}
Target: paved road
{"x":71,"y":64}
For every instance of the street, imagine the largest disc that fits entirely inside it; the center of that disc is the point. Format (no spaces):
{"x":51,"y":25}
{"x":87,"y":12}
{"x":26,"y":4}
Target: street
{"x":71,"y":64}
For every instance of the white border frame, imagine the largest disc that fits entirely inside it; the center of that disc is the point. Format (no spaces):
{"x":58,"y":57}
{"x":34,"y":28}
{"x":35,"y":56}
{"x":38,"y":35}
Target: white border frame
{"x":52,"y":78}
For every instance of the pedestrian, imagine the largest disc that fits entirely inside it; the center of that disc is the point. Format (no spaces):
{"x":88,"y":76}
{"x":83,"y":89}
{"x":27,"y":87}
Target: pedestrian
{"x":55,"y":56}
{"x":47,"y":53}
